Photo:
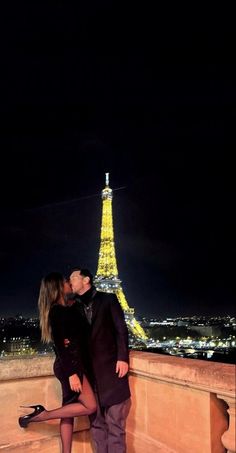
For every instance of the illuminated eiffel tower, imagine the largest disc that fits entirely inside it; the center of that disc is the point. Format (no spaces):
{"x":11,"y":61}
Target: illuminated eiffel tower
{"x":106,"y":278}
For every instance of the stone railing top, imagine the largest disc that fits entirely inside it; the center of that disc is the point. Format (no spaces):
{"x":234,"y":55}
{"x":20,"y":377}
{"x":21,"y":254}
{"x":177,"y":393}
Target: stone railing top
{"x":26,"y":367}
{"x":210,"y":376}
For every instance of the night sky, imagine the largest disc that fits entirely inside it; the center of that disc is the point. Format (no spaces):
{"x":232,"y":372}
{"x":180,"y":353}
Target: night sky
{"x":148,"y":98}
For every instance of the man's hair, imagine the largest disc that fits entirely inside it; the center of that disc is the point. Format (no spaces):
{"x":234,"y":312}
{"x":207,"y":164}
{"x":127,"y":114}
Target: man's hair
{"x":84,"y":272}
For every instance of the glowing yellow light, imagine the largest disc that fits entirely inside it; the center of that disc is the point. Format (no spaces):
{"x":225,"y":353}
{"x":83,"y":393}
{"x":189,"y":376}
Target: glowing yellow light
{"x":107,"y":266}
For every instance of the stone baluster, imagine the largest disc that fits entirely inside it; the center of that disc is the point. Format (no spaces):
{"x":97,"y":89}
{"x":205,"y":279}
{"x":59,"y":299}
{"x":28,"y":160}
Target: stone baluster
{"x":228,"y":438}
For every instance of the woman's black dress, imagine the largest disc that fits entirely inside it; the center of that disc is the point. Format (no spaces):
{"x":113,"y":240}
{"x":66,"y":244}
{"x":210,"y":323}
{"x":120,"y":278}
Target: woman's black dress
{"x":67,"y":334}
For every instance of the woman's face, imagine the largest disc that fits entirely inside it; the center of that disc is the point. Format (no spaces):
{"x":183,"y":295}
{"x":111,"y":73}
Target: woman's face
{"x":66,"y":287}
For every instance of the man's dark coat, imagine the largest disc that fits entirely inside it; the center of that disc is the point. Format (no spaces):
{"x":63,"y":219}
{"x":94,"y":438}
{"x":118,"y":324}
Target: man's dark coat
{"x":107,"y":339}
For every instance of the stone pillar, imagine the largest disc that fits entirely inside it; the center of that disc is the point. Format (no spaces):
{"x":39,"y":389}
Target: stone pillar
{"x":228,"y":438}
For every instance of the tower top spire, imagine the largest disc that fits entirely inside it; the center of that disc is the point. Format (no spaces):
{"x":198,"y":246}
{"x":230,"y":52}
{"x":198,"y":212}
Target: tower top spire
{"x":107,"y":192}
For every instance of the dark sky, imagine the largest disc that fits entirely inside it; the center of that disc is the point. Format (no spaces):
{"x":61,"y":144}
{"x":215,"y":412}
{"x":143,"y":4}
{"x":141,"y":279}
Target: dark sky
{"x":149,"y":98}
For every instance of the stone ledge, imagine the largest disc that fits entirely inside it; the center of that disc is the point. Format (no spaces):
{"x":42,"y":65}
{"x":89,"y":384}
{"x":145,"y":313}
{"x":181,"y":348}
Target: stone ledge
{"x":192,"y":372}
{"x":26,"y":444}
{"x":50,"y":444}
{"x":26,"y":367}
{"x":142,"y":443}
{"x":220,"y":377}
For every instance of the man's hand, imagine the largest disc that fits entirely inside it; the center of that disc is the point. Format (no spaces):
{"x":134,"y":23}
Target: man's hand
{"x":75,"y":383}
{"x":121,"y":368}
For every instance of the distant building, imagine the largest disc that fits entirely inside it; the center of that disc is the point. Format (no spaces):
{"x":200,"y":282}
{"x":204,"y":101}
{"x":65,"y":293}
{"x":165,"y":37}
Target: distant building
{"x":17,"y":345}
{"x":207,"y":331}
{"x":182,"y":323}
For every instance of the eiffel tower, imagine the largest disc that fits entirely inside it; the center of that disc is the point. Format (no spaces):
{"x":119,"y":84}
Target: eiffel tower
{"x":106,"y":278}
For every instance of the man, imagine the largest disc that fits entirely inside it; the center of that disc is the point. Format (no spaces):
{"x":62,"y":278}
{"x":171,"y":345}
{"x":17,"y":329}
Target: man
{"x":109,"y":358}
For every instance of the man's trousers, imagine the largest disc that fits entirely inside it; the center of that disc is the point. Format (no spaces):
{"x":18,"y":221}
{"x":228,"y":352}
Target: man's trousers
{"x":108,"y":427}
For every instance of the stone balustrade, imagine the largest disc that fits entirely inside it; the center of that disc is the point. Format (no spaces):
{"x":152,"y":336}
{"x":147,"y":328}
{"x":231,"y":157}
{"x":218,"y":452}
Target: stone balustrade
{"x":186,"y":405}
{"x":178,"y":406}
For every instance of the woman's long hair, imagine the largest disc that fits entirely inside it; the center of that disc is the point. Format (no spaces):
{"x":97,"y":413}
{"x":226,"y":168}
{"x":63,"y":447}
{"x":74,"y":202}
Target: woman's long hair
{"x":51,"y":292}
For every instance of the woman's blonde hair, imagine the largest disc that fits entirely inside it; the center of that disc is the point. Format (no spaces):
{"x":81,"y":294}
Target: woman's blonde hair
{"x":50,"y":293}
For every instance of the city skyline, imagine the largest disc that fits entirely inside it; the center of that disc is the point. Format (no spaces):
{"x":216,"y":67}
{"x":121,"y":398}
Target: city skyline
{"x":195,"y":337}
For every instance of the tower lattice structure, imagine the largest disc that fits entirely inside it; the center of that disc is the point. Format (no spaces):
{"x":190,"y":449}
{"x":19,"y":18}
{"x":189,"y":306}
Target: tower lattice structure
{"x":106,"y":278}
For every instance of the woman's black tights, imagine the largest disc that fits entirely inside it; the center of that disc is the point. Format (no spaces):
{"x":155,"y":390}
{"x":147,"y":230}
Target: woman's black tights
{"x":66,"y":432}
{"x":86,"y":405}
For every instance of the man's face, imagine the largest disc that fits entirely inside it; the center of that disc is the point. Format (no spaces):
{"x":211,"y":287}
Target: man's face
{"x":77,"y":282}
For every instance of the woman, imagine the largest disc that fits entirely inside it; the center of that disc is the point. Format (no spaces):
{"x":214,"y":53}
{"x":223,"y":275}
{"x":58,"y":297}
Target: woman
{"x":63,"y":325}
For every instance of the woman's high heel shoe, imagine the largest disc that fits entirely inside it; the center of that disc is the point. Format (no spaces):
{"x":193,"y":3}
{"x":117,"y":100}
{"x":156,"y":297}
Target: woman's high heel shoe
{"x":26,"y":419}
